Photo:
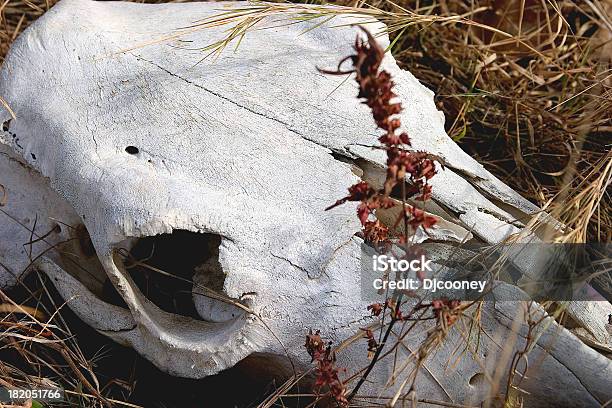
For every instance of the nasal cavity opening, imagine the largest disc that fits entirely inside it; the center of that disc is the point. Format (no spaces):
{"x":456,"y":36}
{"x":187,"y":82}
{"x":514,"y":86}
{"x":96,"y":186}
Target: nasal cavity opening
{"x":181,"y":274}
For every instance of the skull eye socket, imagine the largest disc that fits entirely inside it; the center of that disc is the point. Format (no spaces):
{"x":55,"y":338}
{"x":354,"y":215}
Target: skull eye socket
{"x":163,"y":266}
{"x":176,"y":272}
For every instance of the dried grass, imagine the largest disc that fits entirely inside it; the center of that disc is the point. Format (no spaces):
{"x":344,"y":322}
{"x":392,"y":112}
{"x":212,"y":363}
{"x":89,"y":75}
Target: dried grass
{"x":39,"y":351}
{"x":539,"y":118}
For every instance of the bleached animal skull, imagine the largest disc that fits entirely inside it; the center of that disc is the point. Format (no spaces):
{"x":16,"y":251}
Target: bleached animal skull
{"x":245,"y":152}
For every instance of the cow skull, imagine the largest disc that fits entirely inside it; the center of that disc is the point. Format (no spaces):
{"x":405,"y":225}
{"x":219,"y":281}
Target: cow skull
{"x":114,"y":142}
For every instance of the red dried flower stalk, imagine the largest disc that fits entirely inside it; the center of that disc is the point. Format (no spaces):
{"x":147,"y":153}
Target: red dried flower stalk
{"x":376,"y":91}
{"x":326,"y":372}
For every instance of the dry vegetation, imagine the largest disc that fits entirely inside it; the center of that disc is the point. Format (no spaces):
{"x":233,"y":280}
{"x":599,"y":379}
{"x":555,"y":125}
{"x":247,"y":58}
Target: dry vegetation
{"x":537,"y":112}
{"x":526,"y":89}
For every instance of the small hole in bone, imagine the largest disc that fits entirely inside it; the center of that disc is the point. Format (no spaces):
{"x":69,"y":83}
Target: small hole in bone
{"x":6,"y":125}
{"x":132,"y":150}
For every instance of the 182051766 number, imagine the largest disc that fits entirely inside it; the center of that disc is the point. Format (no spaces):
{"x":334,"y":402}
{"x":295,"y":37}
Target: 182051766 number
{"x":38,"y":394}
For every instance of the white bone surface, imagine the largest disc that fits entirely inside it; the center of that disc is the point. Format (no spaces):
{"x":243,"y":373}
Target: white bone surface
{"x":240,"y":147}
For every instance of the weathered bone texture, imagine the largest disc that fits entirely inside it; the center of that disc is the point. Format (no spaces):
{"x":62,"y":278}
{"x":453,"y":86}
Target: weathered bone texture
{"x":240,"y":147}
